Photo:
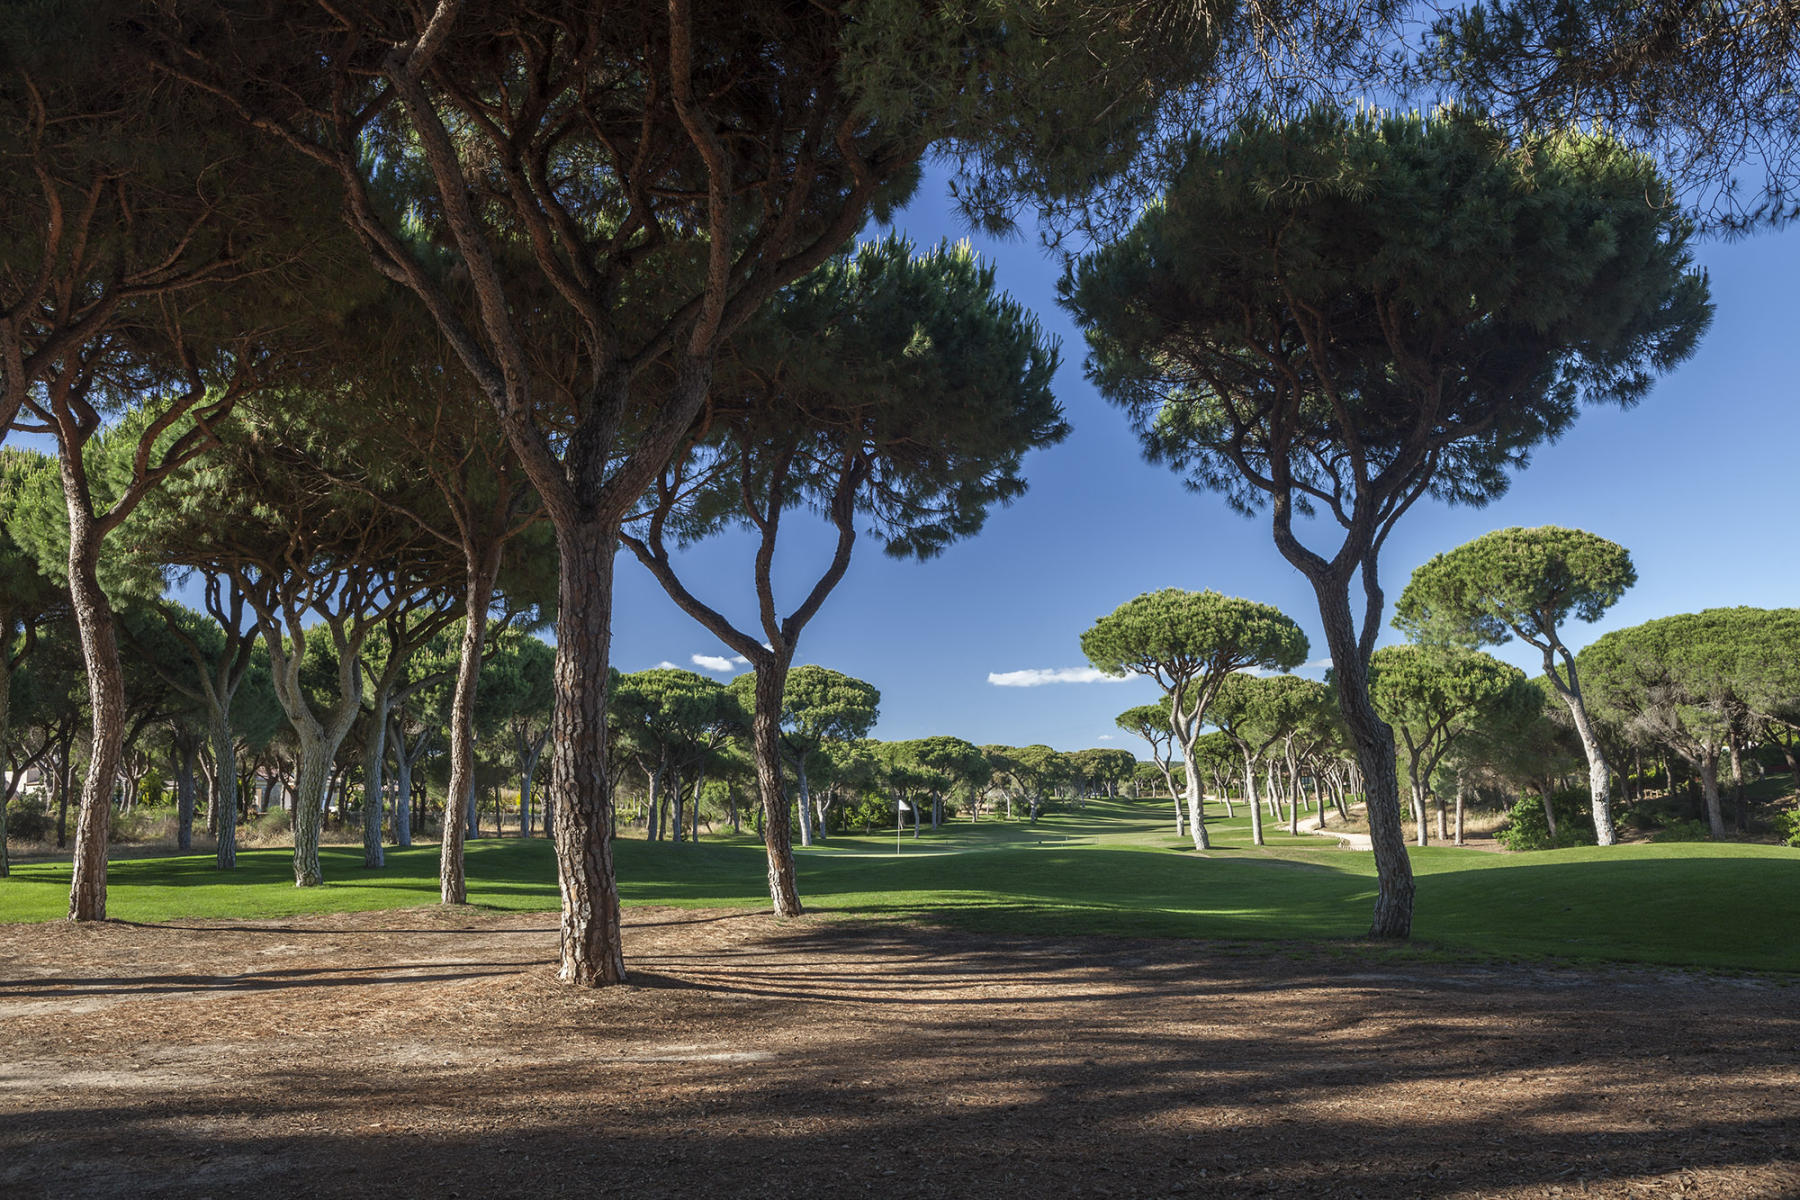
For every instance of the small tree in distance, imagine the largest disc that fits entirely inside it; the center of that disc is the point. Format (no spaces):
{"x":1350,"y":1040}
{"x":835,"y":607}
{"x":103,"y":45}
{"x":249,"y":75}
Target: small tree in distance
{"x":1190,"y":642}
{"x":1525,"y":583}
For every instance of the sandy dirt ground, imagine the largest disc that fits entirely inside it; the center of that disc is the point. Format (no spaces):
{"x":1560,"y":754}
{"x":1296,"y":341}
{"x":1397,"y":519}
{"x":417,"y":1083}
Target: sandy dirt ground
{"x":432,"y":1053}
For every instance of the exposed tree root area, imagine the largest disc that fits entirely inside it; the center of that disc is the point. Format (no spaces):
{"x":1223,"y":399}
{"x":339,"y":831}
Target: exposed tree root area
{"x":433,"y":1053}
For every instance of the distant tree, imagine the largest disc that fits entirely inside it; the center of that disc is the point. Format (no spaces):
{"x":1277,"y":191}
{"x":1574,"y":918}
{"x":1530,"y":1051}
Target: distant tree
{"x":1433,"y":696}
{"x":1151,"y":722}
{"x":29,"y":597}
{"x":1677,"y":679}
{"x":1255,"y":713}
{"x":1527,"y":583}
{"x":951,"y":762}
{"x":665,"y":717}
{"x":318,"y":565}
{"x":1190,"y":643}
{"x":1107,"y":769}
{"x":522,"y":673}
{"x":1342,"y":313}
{"x":818,"y":705}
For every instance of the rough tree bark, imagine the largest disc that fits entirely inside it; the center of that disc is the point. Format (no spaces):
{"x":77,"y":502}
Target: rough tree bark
{"x":581,"y":795}
{"x":106,"y":701}
{"x":765,"y":730}
{"x":478,"y":595}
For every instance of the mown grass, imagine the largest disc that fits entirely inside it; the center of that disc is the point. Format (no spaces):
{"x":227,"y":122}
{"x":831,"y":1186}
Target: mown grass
{"x":1109,"y":869}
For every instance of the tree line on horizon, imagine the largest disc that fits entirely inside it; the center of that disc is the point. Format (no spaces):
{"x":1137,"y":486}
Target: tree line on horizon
{"x":1717,"y":692}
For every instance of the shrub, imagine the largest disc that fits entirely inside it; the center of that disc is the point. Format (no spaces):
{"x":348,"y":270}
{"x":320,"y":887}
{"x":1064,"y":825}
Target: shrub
{"x":1526,"y":828}
{"x":1787,"y":824}
{"x":1683,"y":831}
{"x":27,"y":820}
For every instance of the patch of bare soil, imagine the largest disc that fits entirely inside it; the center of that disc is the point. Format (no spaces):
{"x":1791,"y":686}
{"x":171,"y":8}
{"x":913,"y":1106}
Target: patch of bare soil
{"x":433,"y":1053}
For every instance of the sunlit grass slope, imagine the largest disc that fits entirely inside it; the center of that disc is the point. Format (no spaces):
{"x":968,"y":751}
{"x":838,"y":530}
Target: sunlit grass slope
{"x":1109,"y":868}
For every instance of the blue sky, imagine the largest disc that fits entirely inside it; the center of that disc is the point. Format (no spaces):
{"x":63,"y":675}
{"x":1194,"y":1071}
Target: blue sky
{"x":1697,"y":481}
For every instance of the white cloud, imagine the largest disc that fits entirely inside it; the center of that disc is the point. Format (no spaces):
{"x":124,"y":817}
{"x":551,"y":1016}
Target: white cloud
{"x":717,"y":662}
{"x":666,"y":665}
{"x":740,"y":660}
{"x":1041,"y":675}
{"x":1106,"y":737}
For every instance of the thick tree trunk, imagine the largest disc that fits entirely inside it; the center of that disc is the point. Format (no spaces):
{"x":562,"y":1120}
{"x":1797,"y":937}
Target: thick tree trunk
{"x":1196,"y":809}
{"x":1708,"y":762}
{"x":106,"y":701}
{"x":478,"y":594}
{"x":313,"y":777}
{"x":1443,"y":816}
{"x":765,"y":732}
{"x":580,"y":795}
{"x":375,"y":781}
{"x":1374,"y":743}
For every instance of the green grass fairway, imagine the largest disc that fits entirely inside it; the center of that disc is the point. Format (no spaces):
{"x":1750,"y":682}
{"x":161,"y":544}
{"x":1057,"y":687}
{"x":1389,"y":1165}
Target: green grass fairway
{"x":1111,"y":868}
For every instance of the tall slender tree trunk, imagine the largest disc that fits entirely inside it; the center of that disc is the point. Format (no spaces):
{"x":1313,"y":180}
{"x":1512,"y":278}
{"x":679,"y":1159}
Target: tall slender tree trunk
{"x":64,"y":768}
{"x":1250,"y":800}
{"x":403,"y":762}
{"x":1443,"y":816}
{"x":805,"y":800}
{"x":1599,"y":773}
{"x":1376,"y":760}
{"x":478,"y":594}
{"x":1739,"y":818}
{"x":185,"y":754}
{"x":1459,"y":810}
{"x":375,"y":781}
{"x":652,"y":803}
{"x":699,"y":782}
{"x":580,"y":796}
{"x":106,"y":701}
{"x":765,"y":732}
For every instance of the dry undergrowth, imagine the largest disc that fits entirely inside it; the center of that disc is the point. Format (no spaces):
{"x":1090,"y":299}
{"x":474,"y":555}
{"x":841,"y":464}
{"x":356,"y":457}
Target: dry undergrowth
{"x":431,"y":1052}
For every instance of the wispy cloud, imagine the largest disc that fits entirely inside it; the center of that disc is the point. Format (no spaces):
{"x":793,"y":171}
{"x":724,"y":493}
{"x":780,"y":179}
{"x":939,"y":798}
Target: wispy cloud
{"x":1037,"y":676}
{"x":1106,"y":737}
{"x":666,"y":665}
{"x":718,"y":662}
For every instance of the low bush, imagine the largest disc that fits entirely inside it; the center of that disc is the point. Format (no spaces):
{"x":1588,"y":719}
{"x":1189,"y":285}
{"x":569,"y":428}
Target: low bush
{"x":1526,"y":828}
{"x":1683,"y":831}
{"x":27,"y":820}
{"x":1787,"y":824}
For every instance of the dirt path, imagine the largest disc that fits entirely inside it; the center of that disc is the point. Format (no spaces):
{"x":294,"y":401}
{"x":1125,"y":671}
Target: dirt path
{"x":426,"y":1053}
